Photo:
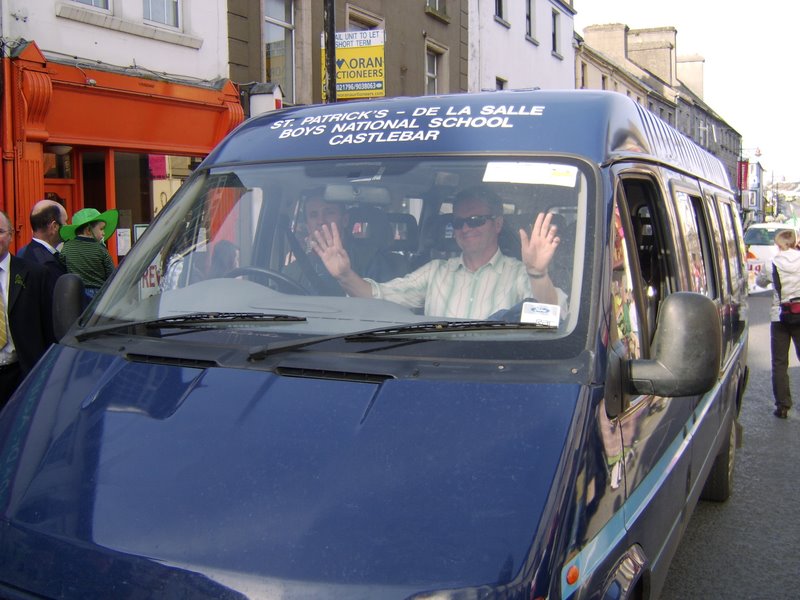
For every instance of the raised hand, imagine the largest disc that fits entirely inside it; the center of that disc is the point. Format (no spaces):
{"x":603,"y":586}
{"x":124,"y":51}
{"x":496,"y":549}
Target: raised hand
{"x":327,"y":243}
{"x":538,"y":249}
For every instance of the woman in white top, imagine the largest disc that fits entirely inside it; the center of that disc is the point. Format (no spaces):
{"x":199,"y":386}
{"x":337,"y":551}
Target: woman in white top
{"x":784,"y":326}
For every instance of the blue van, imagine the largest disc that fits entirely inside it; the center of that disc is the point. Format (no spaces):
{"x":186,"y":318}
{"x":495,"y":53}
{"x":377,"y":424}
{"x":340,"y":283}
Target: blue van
{"x":227,"y":419}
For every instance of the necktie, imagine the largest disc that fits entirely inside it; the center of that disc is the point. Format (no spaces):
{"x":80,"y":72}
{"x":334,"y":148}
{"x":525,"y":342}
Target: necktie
{"x":3,"y":316}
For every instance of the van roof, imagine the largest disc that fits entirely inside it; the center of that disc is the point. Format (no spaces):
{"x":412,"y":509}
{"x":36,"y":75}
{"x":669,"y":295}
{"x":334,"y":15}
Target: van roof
{"x":601,"y":126}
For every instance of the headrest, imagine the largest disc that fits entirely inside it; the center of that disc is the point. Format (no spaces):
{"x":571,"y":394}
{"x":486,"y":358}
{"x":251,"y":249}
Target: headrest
{"x":404,"y":232}
{"x":369,"y":225}
{"x":437,"y":234}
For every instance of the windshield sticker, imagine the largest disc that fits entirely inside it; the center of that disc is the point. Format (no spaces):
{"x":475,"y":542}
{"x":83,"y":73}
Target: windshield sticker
{"x":531,"y":173}
{"x":421,"y":124}
{"x":540,"y":314}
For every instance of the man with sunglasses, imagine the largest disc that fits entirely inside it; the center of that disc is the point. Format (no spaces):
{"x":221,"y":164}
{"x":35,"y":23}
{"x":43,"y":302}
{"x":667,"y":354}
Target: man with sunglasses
{"x":476,"y":284}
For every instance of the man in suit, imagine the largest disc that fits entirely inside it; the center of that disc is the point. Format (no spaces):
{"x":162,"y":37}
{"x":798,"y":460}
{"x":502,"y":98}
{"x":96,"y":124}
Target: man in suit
{"x":47,"y":217}
{"x":27,"y":314}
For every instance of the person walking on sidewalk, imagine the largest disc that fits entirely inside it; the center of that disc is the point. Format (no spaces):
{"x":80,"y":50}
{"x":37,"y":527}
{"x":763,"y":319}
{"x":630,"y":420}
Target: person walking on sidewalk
{"x":785,"y":322}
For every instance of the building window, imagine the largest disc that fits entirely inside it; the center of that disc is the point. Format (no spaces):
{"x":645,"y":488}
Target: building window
{"x":95,"y":3}
{"x":500,"y":83}
{"x":583,"y":76}
{"x":164,"y":12}
{"x":439,"y":6}
{"x":604,"y":82}
{"x":360,"y":20}
{"x":529,"y":22}
{"x":436,"y":68}
{"x":499,"y":9}
{"x":431,"y":72}
{"x":279,"y":42}
{"x":555,"y":32}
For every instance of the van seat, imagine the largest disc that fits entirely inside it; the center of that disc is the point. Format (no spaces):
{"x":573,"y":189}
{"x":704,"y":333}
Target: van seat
{"x":404,"y":233}
{"x":436,"y":240}
{"x":371,"y":236}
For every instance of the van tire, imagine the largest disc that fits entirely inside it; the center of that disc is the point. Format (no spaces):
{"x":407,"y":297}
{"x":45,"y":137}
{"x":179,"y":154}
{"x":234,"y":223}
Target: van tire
{"x":719,"y":484}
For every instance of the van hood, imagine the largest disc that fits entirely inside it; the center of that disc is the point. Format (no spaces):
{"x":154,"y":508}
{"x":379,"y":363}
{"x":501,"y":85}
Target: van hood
{"x":145,"y":479}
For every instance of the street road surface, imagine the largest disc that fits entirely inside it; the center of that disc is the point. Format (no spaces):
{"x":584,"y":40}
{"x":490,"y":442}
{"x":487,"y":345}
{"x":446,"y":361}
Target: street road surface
{"x":749,"y":547}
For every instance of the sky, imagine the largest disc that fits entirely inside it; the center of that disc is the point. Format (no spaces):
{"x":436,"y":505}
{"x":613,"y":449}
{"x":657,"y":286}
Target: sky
{"x":751,"y":70}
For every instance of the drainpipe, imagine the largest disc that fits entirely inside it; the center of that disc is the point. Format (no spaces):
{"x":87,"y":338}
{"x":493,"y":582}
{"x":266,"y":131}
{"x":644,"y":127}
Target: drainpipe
{"x":9,"y":149}
{"x":330,"y":49}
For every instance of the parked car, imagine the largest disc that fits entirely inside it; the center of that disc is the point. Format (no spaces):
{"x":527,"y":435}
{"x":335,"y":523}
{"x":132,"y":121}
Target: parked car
{"x":253,"y":435}
{"x":759,"y":241}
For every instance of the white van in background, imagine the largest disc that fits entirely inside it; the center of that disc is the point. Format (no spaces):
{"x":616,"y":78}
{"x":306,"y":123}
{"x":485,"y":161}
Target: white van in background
{"x":759,"y":240}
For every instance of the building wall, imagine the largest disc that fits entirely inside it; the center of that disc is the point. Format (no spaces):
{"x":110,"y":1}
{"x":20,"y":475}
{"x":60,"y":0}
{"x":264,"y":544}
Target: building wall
{"x":597,"y":71}
{"x":535,"y":64}
{"x":410,"y":28}
{"x":245,"y":52}
{"x":120,"y":37}
{"x":614,"y":53}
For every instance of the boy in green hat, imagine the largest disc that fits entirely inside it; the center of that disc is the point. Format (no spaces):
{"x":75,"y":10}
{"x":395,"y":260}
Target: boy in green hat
{"x":84,"y":250}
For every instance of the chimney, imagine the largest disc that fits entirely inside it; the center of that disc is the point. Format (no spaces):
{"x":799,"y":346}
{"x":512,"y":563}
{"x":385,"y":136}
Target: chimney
{"x":690,"y":72}
{"x":654,"y":50}
{"x":611,"y":40}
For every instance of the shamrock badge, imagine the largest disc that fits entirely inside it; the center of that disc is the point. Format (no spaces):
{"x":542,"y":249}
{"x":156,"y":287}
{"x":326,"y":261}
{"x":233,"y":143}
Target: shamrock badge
{"x":18,"y":281}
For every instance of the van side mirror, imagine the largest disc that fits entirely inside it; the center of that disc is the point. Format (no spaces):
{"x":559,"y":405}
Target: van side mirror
{"x":67,"y":303}
{"x":686,"y":350}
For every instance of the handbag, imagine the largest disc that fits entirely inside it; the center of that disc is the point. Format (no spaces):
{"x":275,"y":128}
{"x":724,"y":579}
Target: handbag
{"x":790,"y":312}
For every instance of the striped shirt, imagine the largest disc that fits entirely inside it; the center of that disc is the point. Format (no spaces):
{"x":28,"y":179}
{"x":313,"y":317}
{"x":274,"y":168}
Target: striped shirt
{"x":89,"y":259}
{"x":447,"y":288}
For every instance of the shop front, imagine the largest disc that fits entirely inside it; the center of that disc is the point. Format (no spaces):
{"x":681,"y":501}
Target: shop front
{"x":90,"y":136}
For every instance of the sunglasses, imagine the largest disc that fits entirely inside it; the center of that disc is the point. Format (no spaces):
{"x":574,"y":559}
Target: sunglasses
{"x":472,"y":222}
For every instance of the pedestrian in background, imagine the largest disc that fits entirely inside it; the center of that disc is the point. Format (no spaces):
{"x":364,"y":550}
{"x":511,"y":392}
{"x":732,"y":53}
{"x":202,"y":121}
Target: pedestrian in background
{"x":25,"y":312}
{"x":84,"y":247}
{"x":47,"y":217}
{"x":785,"y":322}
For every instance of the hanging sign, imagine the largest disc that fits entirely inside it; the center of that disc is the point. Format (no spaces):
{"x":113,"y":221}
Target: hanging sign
{"x":360,"y":69}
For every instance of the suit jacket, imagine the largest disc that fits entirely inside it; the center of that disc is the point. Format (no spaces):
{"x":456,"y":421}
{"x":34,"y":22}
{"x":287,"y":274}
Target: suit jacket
{"x":30,"y":311}
{"x":36,"y":252}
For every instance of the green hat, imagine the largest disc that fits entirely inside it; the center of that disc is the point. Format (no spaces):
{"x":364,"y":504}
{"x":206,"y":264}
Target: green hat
{"x":90,"y":215}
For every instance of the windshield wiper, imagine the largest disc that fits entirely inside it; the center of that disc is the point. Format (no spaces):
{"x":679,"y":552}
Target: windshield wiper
{"x":444,"y":326}
{"x":372,"y":335}
{"x":191,"y":320}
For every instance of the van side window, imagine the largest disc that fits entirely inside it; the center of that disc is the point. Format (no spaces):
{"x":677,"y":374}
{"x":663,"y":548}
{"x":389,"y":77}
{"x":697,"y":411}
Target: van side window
{"x":733,"y":244}
{"x":698,"y":245}
{"x":651,"y":266}
{"x":625,"y":326}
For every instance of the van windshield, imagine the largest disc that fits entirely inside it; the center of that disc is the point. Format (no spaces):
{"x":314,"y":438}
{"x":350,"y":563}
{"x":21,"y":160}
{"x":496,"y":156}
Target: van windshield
{"x":244,"y":239}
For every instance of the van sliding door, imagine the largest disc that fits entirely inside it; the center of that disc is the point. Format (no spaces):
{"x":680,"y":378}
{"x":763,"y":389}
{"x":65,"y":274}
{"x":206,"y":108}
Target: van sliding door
{"x":656,"y":445}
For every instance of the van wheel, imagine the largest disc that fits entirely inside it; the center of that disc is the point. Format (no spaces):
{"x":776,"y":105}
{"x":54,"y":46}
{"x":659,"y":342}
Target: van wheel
{"x":719,"y":484}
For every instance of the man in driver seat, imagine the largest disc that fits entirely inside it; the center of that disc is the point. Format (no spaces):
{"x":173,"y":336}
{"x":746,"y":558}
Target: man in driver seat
{"x":475,"y":285}
{"x":310,"y":272}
